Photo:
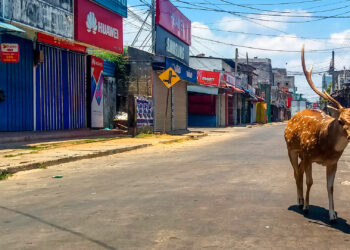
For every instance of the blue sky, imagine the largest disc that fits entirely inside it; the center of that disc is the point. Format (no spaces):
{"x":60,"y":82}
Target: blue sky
{"x":281,"y":34}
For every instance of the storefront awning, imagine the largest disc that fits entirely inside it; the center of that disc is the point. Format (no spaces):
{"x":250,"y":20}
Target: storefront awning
{"x":9,"y":27}
{"x":203,"y":90}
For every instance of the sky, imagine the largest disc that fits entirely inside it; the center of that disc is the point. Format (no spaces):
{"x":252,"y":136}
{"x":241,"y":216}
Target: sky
{"x":257,"y":27}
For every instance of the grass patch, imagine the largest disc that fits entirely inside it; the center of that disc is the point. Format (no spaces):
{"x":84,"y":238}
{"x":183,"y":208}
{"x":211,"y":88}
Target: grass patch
{"x":144,"y":135}
{"x":20,"y":154}
{"x":42,"y":166}
{"x":5,"y":176}
{"x":92,"y":140}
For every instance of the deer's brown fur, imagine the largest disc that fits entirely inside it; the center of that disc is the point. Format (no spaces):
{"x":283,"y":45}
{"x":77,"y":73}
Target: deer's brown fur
{"x":312,"y":136}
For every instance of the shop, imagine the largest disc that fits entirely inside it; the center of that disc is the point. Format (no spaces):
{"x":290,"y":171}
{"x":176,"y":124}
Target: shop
{"x":60,"y":84}
{"x":16,"y":84}
{"x":203,"y":100}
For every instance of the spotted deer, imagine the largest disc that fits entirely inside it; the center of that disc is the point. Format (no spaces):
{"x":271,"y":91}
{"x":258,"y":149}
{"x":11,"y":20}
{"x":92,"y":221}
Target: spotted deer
{"x":313,"y":136}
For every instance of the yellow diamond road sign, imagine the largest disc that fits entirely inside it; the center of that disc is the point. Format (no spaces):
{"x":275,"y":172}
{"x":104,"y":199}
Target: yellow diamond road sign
{"x":169,"y":77}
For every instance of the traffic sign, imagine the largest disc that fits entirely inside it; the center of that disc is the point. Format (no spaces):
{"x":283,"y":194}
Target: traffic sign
{"x":169,"y":77}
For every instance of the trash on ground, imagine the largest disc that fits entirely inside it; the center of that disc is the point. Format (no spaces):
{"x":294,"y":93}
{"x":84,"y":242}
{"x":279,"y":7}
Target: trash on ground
{"x":57,"y":176}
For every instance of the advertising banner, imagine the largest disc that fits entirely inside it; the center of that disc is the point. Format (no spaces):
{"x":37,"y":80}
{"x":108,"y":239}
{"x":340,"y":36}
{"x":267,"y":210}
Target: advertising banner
{"x":170,"y":46}
{"x":228,"y":78}
{"x":208,"y":78}
{"x":96,"y":92}
{"x":117,"y":6}
{"x":55,"y":17}
{"x":171,"y":19}
{"x":60,"y":42}
{"x":9,"y":52}
{"x":144,"y":111}
{"x":98,"y":26}
{"x":184,"y":72}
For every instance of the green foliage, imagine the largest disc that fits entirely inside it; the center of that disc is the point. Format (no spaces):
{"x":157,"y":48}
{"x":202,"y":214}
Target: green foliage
{"x":328,"y":90}
{"x":119,"y":60}
{"x":4,"y":176}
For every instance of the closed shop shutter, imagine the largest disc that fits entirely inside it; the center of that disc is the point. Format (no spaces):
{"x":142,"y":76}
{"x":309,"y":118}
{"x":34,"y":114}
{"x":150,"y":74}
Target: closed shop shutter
{"x":160,"y":96}
{"x":180,"y":106}
{"x":60,"y":90}
{"x":16,"y":86}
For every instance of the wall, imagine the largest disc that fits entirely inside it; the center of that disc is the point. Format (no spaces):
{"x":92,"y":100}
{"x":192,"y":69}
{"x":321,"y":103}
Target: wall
{"x":204,"y":63}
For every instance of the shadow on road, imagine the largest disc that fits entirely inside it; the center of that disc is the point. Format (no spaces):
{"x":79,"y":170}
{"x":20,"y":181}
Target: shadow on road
{"x":319,"y":214}
{"x":101,"y":244}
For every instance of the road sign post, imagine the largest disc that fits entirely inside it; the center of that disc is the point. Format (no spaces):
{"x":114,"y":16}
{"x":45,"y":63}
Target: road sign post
{"x":169,"y":78}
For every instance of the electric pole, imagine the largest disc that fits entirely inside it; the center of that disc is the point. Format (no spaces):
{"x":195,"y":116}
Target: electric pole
{"x":153,"y":9}
{"x":236,"y":64}
{"x":332,"y":71}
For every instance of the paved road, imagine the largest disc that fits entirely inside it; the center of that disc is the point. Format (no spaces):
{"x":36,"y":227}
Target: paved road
{"x":228,"y":190}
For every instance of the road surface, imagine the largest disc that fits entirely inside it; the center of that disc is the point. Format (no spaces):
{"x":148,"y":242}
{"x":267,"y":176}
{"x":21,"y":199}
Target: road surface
{"x":231,"y":190}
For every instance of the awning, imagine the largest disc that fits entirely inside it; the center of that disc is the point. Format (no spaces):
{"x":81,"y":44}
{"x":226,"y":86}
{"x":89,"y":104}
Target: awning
{"x":234,"y":89}
{"x":203,"y":89}
{"x":9,"y":27}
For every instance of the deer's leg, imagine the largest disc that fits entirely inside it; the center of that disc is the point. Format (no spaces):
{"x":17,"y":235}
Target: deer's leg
{"x":298,"y":175}
{"x":309,"y":182}
{"x":331,"y":170}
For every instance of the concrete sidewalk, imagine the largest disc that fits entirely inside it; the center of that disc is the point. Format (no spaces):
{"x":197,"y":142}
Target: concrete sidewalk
{"x":19,"y":157}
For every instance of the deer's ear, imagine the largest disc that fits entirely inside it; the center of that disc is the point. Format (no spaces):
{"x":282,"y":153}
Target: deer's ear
{"x":333,"y":111}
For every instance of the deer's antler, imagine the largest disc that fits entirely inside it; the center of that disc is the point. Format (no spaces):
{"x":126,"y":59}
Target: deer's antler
{"x":324,"y":95}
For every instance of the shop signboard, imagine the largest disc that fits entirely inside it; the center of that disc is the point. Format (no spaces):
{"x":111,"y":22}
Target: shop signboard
{"x":144,"y":111}
{"x":97,"y":26}
{"x":228,"y":78}
{"x":208,"y":78}
{"x":170,"y":46}
{"x":117,"y":6}
{"x":184,"y":72}
{"x":54,"y":17}
{"x":172,"y":20}
{"x":59,"y":42}
{"x":96,"y":92}
{"x":9,"y":52}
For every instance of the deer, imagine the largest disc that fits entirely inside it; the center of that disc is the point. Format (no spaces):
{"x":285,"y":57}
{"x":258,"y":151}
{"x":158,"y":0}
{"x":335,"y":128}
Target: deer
{"x":315,"y":137}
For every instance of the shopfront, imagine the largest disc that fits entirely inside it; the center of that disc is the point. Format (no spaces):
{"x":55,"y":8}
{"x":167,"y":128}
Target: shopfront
{"x":203,"y":100}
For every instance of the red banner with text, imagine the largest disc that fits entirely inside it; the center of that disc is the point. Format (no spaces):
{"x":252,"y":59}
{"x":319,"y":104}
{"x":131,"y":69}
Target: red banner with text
{"x":208,"y":78}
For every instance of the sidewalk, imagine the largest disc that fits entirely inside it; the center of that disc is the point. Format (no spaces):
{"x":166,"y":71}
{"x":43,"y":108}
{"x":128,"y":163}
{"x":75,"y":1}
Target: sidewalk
{"x":19,"y":157}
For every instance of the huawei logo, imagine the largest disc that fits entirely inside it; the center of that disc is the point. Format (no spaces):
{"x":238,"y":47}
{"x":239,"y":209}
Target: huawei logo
{"x":91,"y":22}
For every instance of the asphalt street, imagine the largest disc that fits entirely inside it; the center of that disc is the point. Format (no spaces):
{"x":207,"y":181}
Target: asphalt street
{"x":231,"y":190}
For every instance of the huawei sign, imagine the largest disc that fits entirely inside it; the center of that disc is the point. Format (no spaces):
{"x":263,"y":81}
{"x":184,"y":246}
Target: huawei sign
{"x":98,"y":26}
{"x":92,"y":25}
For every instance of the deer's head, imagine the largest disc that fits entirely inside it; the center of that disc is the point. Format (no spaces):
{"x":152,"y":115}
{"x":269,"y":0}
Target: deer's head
{"x":341,"y":114}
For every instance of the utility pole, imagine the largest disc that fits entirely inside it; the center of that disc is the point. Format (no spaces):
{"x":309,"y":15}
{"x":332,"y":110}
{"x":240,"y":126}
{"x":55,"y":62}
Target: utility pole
{"x":332,"y":71}
{"x":153,"y":9}
{"x":236,"y":63}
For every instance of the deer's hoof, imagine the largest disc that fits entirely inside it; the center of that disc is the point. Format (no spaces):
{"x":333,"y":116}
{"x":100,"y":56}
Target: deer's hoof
{"x":306,"y":211}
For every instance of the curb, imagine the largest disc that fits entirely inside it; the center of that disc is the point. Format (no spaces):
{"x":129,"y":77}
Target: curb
{"x":13,"y":170}
{"x":44,"y":164}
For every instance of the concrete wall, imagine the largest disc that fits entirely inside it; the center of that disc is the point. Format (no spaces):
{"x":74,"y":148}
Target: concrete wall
{"x":179,"y":98}
{"x":205,"y":63}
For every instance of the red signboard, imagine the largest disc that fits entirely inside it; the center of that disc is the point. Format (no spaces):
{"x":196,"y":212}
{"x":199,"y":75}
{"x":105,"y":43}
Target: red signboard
{"x":98,"y":26}
{"x":9,"y":52}
{"x":208,"y":78}
{"x":60,"y":42}
{"x":171,"y":19}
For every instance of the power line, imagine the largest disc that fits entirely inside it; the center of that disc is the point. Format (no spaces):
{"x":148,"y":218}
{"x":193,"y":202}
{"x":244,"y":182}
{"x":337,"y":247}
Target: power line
{"x":259,"y":34}
{"x":264,"y":49}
